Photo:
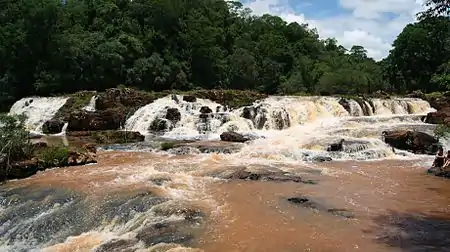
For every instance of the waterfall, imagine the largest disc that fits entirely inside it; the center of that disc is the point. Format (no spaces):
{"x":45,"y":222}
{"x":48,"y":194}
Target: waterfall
{"x":91,"y":105}
{"x":38,"y":110}
{"x":174,"y":117}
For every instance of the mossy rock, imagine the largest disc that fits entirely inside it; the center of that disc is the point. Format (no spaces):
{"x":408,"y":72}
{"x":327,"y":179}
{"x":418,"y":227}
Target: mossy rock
{"x":232,"y":98}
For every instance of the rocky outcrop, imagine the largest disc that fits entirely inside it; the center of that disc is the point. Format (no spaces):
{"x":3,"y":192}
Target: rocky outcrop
{"x":231,"y":98}
{"x":107,"y":136}
{"x":442,"y":114}
{"x":53,"y":126}
{"x":79,"y":158}
{"x":230,"y":136}
{"x":173,"y":115}
{"x":110,"y":119}
{"x":206,"y":147}
{"x":52,"y":158}
{"x":189,"y":98}
{"x":126,"y":97}
{"x":414,"y":141}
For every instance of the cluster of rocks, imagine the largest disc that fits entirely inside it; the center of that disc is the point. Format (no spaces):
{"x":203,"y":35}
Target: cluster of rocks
{"x":442,"y":114}
{"x":29,"y":167}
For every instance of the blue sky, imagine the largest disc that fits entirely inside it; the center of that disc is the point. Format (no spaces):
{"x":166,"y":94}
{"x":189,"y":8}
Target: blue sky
{"x":373,"y":24}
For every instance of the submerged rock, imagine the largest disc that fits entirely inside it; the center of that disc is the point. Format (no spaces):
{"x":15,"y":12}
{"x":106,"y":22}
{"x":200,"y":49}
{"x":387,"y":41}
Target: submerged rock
{"x":308,"y":203}
{"x":414,"y":141}
{"x":231,"y":136}
{"x":440,"y":172}
{"x":242,"y":173}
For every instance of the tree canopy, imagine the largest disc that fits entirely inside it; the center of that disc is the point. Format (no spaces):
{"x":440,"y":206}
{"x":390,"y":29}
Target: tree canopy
{"x":50,"y":47}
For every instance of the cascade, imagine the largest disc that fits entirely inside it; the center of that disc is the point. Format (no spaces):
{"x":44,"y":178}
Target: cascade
{"x":91,"y":105}
{"x":38,"y":110}
{"x":177,"y":118}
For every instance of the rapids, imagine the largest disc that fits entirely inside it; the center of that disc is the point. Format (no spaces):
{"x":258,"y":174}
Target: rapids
{"x":143,"y":199}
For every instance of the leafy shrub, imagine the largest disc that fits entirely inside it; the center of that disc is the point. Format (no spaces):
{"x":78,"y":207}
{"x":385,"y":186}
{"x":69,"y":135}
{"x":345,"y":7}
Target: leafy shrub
{"x":14,"y":141}
{"x":54,"y":156}
{"x":442,"y":131}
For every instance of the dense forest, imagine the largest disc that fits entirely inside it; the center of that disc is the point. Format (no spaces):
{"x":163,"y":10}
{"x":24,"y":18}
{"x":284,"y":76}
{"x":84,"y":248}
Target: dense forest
{"x":49,"y":47}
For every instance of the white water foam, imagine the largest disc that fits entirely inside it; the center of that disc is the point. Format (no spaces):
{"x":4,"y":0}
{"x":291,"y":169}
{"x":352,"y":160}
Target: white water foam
{"x":91,"y":104}
{"x":38,"y":110}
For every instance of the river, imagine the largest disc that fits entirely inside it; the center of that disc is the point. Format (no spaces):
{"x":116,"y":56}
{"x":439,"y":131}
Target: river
{"x":369,"y":198}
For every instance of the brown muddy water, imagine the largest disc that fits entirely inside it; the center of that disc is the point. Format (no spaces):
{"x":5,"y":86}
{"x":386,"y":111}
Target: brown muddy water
{"x":389,"y":205}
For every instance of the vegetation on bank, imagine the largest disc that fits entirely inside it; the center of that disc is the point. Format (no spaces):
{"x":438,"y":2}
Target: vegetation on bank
{"x":156,"y":45}
{"x":19,"y":157}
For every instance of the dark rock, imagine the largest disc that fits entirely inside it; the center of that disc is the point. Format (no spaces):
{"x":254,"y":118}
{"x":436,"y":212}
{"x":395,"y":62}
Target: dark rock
{"x":344,"y":103}
{"x":127,"y":97}
{"x":52,"y":127}
{"x":276,"y":176}
{"x":78,"y":158}
{"x":173,"y":115}
{"x":107,"y":136}
{"x":417,"y":94}
{"x":230,"y":136}
{"x":210,"y":147}
{"x":161,"y":124}
{"x":414,"y":141}
{"x":24,"y":169}
{"x":307,"y":203}
{"x":442,"y":114}
{"x":167,"y":232}
{"x":110,"y":119}
{"x":118,"y":245}
{"x":321,"y":159}
{"x":205,"y":110}
{"x":249,"y":113}
{"x":189,"y":98}
{"x":336,"y":146}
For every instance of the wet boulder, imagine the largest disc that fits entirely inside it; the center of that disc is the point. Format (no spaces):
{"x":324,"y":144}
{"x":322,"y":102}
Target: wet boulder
{"x":205,"y":110}
{"x":160,"y":125}
{"x":173,"y":115}
{"x":346,"y":104}
{"x":442,"y":113}
{"x":76,"y":158}
{"x":413,"y":141}
{"x":189,"y":98}
{"x":336,"y":146}
{"x":52,"y":126}
{"x":24,"y":169}
{"x":231,"y":136}
{"x":110,"y":119}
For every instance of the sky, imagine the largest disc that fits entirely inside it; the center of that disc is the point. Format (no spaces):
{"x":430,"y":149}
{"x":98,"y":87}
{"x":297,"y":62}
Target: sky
{"x":373,"y":24}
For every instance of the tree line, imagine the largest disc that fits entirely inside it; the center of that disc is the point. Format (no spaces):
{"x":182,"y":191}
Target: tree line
{"x":50,"y":47}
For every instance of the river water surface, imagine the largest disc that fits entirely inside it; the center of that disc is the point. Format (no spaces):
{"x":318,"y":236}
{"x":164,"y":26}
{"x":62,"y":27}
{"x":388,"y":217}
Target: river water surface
{"x":369,"y":198}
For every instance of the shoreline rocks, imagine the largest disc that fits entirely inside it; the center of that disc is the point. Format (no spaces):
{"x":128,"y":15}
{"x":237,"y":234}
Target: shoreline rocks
{"x":442,"y":113}
{"x":46,"y":157}
{"x":231,"y":136}
{"x":414,"y":141}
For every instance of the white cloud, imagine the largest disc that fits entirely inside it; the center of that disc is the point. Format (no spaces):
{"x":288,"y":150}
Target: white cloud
{"x":367,"y":23}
